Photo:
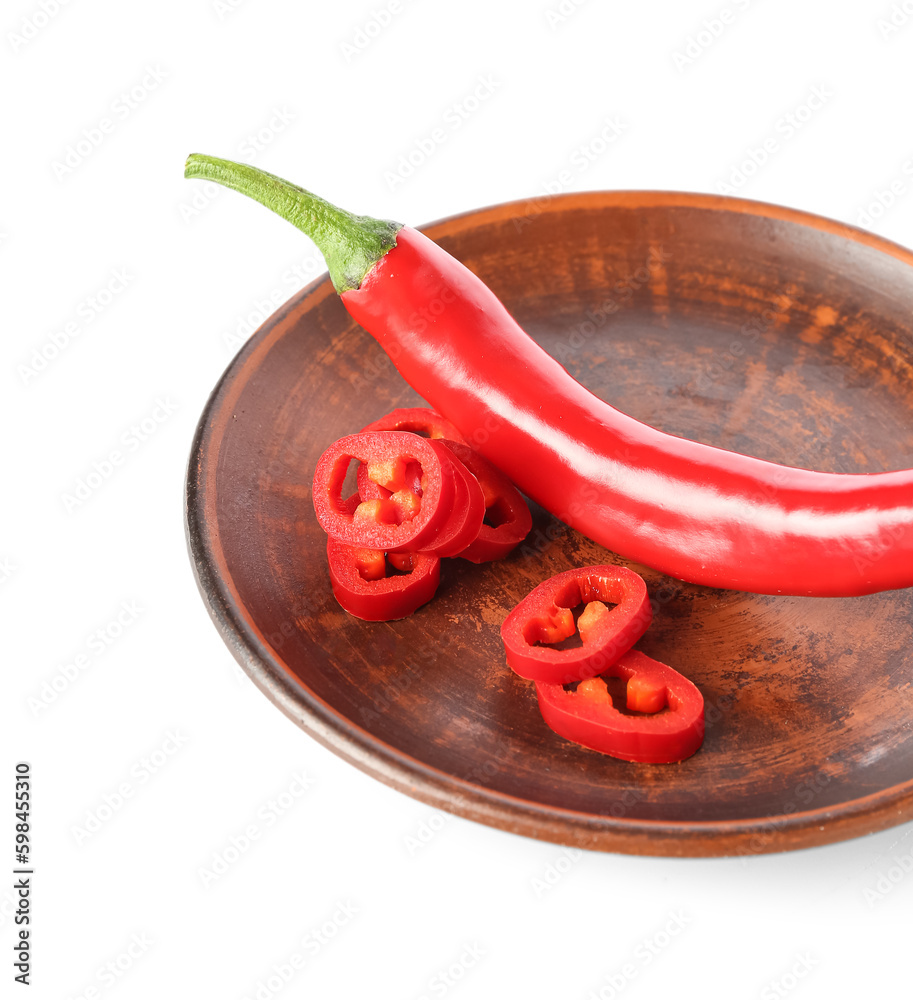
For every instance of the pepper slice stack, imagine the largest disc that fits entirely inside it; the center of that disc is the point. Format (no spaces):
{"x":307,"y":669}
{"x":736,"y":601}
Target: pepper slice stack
{"x":418,"y":501}
{"x":417,"y":498}
{"x":668,"y":724}
{"x":507,"y":517}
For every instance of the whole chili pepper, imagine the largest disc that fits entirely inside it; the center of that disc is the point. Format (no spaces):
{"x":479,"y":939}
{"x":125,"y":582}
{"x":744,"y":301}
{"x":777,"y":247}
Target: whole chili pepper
{"x":690,"y":510}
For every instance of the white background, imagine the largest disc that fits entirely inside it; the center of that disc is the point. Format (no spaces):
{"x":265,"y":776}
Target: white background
{"x":122,"y":909}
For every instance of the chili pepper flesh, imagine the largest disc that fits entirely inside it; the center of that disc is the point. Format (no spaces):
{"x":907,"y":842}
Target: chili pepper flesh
{"x":363,"y":587}
{"x":389,"y":522}
{"x":545,"y":617}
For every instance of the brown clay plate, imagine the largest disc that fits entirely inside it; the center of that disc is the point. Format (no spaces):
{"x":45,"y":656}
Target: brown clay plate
{"x":753,"y":327}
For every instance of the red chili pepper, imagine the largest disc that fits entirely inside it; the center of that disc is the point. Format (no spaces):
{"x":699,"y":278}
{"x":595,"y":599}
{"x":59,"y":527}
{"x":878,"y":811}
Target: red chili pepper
{"x":690,"y":510}
{"x":507,"y":517}
{"x":419,"y":420}
{"x":672,"y":730}
{"x":397,"y":520}
{"x":466,"y":519}
{"x":467,"y":505}
{"x":545,"y":616}
{"x":417,"y":496}
{"x":363,"y":586}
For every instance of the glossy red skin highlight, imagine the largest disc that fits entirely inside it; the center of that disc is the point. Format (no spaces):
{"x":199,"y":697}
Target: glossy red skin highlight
{"x":611,"y":639}
{"x":494,"y":542}
{"x":662,"y":738}
{"x":385,"y":599}
{"x":690,"y":510}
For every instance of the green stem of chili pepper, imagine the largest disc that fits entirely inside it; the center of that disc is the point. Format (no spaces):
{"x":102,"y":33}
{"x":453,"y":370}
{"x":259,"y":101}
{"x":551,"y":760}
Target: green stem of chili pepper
{"x":351,"y":244}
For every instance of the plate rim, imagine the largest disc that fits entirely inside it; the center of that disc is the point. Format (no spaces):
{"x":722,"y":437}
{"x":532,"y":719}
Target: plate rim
{"x":339,"y":733}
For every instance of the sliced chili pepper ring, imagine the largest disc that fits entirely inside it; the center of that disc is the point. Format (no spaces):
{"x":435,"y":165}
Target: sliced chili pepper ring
{"x":468,"y":510}
{"x":380,"y":523}
{"x":672,"y":731}
{"x":384,"y":598}
{"x":467,"y":507}
{"x":503,"y":501}
{"x":545,"y":616}
{"x":418,"y":420}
